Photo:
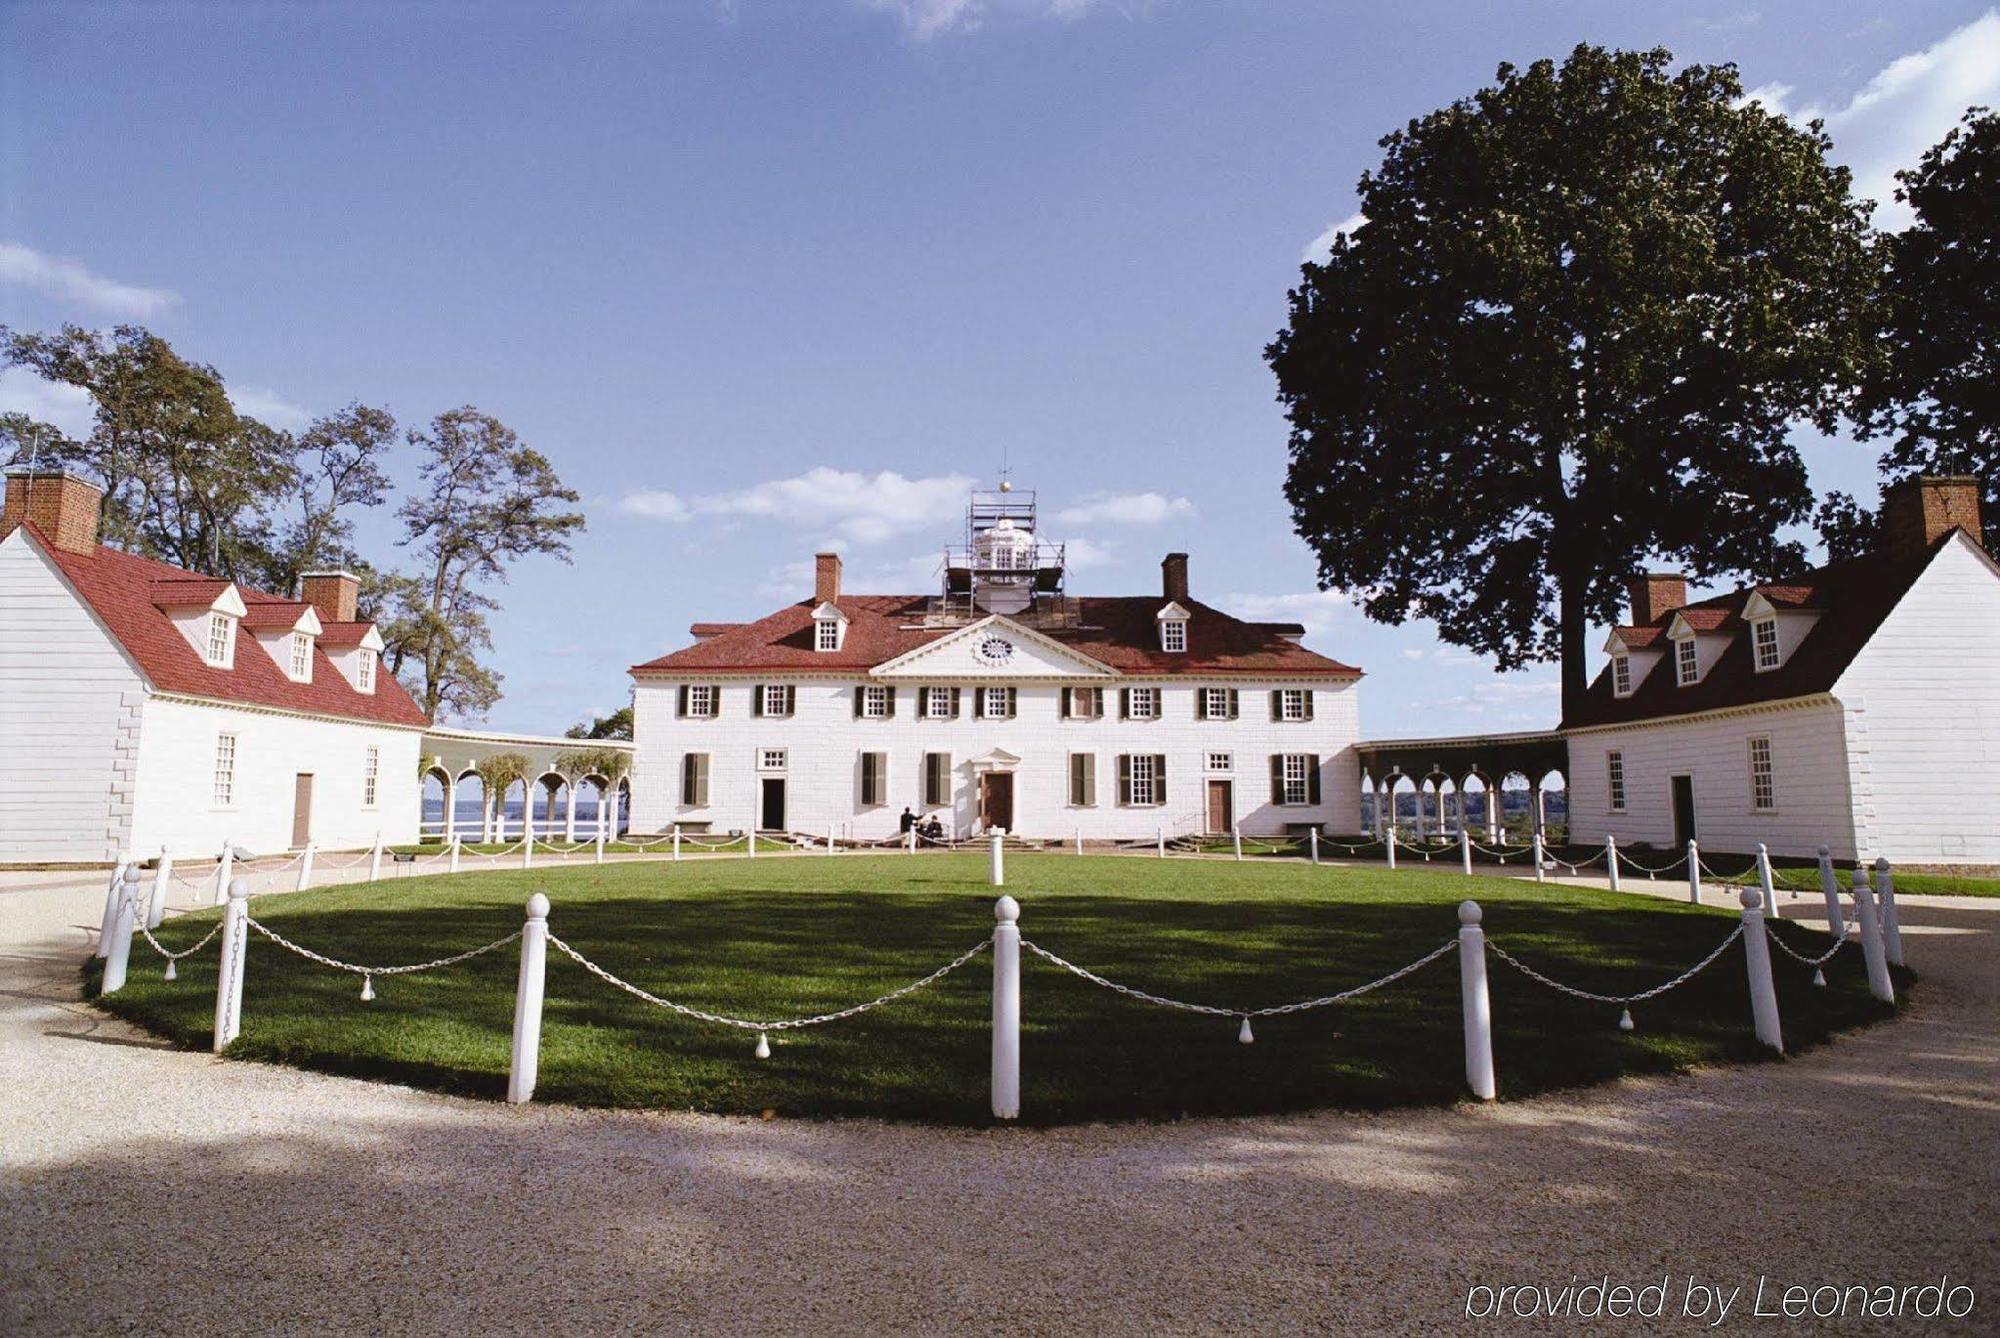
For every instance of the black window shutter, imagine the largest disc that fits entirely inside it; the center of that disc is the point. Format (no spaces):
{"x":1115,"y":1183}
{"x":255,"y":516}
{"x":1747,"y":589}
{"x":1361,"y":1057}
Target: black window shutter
{"x":1063,"y":710}
{"x":1012,"y":696}
{"x":681,"y":700}
{"x":978,"y":703}
{"x":859,"y":693}
{"x":923,"y":702}
{"x":757,"y":700}
{"x":889,"y":707}
{"x":791,"y":699}
{"x":1233,"y":708}
{"x":1096,"y":702}
{"x":1125,"y":779}
{"x":1124,"y":703}
{"x":1160,"y":778}
{"x":1277,"y":704}
{"x":687,"y":778}
{"x":1308,"y":696}
{"x":1201,"y":703}
{"x":954,"y":703}
{"x":1312,"y":778}
{"x":1277,"y":778}
{"x":701,"y":779}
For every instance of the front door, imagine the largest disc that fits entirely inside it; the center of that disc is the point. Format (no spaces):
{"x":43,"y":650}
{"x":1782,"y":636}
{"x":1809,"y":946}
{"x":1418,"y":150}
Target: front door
{"x":302,"y":809}
{"x":1683,"y":811}
{"x":1221,"y":815}
{"x":996,"y":800}
{"x":771,"y":816}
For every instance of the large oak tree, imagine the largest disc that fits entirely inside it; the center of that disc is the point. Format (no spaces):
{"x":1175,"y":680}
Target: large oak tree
{"x":1586,"y":306}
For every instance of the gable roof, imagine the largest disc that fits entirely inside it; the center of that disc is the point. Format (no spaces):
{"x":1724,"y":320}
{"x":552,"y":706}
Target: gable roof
{"x":120,"y":589}
{"x":1852,"y":598}
{"x":1120,"y":632}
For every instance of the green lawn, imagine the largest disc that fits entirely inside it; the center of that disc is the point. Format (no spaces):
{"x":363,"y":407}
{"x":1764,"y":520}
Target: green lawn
{"x":783,"y":937}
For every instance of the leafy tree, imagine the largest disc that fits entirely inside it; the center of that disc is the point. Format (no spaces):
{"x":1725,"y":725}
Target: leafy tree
{"x":617,"y":725}
{"x":614,"y":764}
{"x":1847,"y":528}
{"x":1935,"y":394}
{"x":338,"y":466}
{"x":1586,"y":305}
{"x":487,"y":500}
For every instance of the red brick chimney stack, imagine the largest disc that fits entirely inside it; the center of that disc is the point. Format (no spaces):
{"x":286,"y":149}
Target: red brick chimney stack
{"x":826,"y":578}
{"x":1918,"y":512}
{"x":334,"y":593}
{"x":63,"y":506}
{"x":1173,"y":577}
{"x":1655,"y":594}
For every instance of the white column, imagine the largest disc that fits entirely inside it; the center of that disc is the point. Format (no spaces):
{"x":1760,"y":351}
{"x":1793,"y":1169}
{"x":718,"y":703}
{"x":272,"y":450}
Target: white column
{"x":1694,"y":873}
{"x":229,"y":969}
{"x":1236,"y":836}
{"x":306,"y":867}
{"x":118,"y":953}
{"x":569,"y":812}
{"x":223,"y":865}
{"x":1478,"y":1007}
{"x":1389,"y":846}
{"x":1312,"y":840}
{"x":614,"y":812}
{"x":1764,"y":879}
{"x":1465,"y":849}
{"x":1611,"y":860}
{"x":1007,"y":1010}
{"x":528,"y":842}
{"x":112,"y":893}
{"x":528,"y":1002}
{"x":677,"y":843}
{"x":1757,"y":957}
{"x":1829,"y":887}
{"x":1879,"y":984}
{"x":375,"y":860}
{"x":156,"y":909}
{"x":1541,"y":810}
{"x":1541,"y":872}
{"x":996,"y":870}
{"x":1493,"y":814}
{"x":1885,"y":901}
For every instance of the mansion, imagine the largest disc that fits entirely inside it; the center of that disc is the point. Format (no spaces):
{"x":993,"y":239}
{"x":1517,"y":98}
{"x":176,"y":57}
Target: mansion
{"x":999,"y":703}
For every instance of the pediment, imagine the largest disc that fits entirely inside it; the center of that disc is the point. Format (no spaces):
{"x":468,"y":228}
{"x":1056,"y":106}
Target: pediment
{"x":994,"y":648}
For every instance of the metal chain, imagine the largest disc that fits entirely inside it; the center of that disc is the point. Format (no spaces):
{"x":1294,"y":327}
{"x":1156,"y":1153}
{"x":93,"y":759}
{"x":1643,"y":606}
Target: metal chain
{"x":1815,"y":962}
{"x":214,"y":929}
{"x":1656,"y":991}
{"x":1212,"y":1011}
{"x":788,"y":1024}
{"x":339,"y":965}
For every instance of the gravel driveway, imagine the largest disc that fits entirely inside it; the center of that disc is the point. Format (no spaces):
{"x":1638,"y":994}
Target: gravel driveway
{"x":147,"y":1189}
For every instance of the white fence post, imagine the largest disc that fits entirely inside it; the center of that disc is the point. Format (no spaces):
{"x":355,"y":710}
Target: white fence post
{"x":1079,"y":840}
{"x":1694,"y":873}
{"x":1160,"y":837}
{"x":1764,"y":879}
{"x":1312,"y":840}
{"x":528,"y":844}
{"x":1757,"y":957}
{"x":1885,"y":901}
{"x":119,"y":952}
{"x":375,"y":860}
{"x":528,"y":1002}
{"x":1465,"y":849}
{"x":306,"y":867}
{"x":1236,"y":839}
{"x":456,"y":842}
{"x":677,"y":842}
{"x":751,"y":843}
{"x":1879,"y":984}
{"x":911,"y":843}
{"x":156,"y":909}
{"x":223,"y":865}
{"x":996,"y":869}
{"x":1007,"y":1010}
{"x":1389,"y":846}
{"x":1611,"y":860}
{"x":229,"y":968}
{"x":1541,"y":874}
{"x":1478,"y":1007}
{"x":599,"y":857}
{"x":111,"y":896}
{"x":1829,"y":885}
{"x":829,"y":838}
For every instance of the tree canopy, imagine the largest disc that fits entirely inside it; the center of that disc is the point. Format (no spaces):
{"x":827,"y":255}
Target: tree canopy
{"x":617,"y":725}
{"x":1586,"y":305}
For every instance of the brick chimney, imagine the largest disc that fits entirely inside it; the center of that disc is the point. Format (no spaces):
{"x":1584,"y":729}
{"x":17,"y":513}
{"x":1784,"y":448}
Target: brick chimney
{"x":333,"y":593}
{"x":826,"y":578}
{"x":1655,"y":594}
{"x":64,"y":507}
{"x":1173,"y":577}
{"x":1918,"y":512}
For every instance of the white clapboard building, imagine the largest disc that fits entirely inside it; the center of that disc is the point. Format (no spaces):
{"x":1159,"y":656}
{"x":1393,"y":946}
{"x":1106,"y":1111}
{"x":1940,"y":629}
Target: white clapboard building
{"x":143,"y":706}
{"x":1856,"y":706}
{"x":1000,"y":702}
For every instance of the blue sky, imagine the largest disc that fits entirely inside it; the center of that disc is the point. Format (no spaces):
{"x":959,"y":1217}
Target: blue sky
{"x":759,"y":276}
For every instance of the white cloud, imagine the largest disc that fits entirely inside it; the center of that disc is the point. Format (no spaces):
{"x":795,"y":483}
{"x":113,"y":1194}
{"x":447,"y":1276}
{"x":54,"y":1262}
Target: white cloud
{"x":70,"y":281}
{"x":269,"y":407}
{"x":1132,"y":508}
{"x":1318,"y":247}
{"x":654,"y":504}
{"x":1083,"y":554}
{"x":1727,"y":23}
{"x":861,"y":508}
{"x":1526,"y":700}
{"x":925,"y":19}
{"x":67,"y":408}
{"x":1907,"y":107}
{"x":1315,"y":610}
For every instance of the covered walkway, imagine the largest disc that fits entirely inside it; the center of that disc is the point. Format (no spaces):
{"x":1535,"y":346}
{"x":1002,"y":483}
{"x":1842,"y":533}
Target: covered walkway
{"x":1416,"y":768}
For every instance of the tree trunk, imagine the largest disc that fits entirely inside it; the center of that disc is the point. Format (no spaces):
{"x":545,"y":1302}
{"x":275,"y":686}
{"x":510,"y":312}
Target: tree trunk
{"x":1573,"y":626}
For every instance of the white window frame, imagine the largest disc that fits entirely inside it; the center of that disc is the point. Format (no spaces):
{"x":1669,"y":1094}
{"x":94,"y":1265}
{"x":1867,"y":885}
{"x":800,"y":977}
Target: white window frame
{"x":221,"y":639}
{"x":774,"y":699}
{"x":1296,"y":778}
{"x":1151,"y":698}
{"x":1216,"y":703}
{"x":993,"y":704}
{"x":222,"y":791}
{"x":301,"y":657}
{"x":1763,"y":638}
{"x":1621,"y":675}
{"x":1614,"y":779}
{"x":1173,"y":636}
{"x":702,"y":703}
{"x":371,"y":776}
{"x":826,"y":634}
{"x":1222,"y":761}
{"x":1082,"y":703}
{"x":772,"y":760}
{"x":874,"y":701}
{"x":937,"y":704}
{"x":1687,"y":662}
{"x":1764,"y":769}
{"x":1292,"y":705}
{"x":364,"y":670}
{"x":1145,"y":785}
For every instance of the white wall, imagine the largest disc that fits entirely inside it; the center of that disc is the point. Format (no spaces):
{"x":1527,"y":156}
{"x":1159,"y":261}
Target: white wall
{"x":69,"y":714}
{"x":1809,"y":767}
{"x":177,"y":772}
{"x":1923,"y":701}
{"x":824,"y":742}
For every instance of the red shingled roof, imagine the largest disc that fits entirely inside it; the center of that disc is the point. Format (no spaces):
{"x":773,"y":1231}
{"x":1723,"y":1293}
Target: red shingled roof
{"x":1852,"y":598}
{"x":1121,"y":632}
{"x":121,"y":588}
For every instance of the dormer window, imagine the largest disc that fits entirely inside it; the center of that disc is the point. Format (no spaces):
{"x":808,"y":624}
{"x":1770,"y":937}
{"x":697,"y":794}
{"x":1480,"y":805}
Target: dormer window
{"x":364,"y":671}
{"x":829,"y":627}
{"x":301,"y":665}
{"x":1687,"y":663}
{"x":1173,"y":629}
{"x":1764,"y":643}
{"x":221,"y":650}
{"x":1621,"y":675}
